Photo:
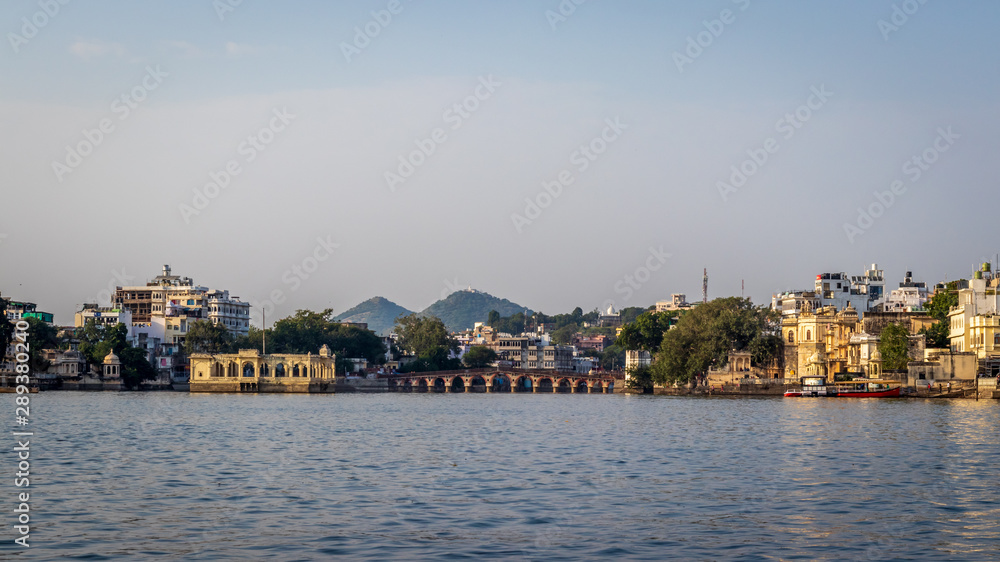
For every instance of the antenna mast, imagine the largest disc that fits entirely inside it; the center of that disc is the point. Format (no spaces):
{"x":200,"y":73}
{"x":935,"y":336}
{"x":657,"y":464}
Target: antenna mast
{"x":704,"y":287}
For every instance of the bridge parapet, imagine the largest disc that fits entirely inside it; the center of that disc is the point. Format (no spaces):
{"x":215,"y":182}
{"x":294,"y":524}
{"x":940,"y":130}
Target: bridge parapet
{"x":503,"y":380}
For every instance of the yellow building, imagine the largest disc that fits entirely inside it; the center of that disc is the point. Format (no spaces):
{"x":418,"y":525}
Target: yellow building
{"x":823,"y":336}
{"x":981,"y":336}
{"x":249,"y":371}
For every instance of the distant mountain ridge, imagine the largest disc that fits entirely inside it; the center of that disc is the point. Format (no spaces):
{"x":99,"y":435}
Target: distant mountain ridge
{"x":459,"y":311}
{"x":379,"y":313}
{"x":462,"y":309}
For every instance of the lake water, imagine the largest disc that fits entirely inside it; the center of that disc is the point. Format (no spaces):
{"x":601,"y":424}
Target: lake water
{"x":532,"y":477}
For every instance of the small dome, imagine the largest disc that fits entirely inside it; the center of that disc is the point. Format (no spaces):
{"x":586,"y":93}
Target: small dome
{"x":111,"y":358}
{"x":876,"y":356}
{"x":324,"y":351}
{"x":815,"y":358}
{"x":611,"y":310}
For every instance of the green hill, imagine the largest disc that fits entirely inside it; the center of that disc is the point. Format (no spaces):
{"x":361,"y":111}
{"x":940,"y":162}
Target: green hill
{"x":462,"y":309}
{"x":380,"y":314}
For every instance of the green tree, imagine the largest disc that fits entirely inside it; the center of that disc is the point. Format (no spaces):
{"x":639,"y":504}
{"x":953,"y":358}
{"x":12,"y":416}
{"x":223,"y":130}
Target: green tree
{"x":252,"y":340}
{"x":307,"y":331}
{"x":6,"y":327}
{"x":40,"y":336}
{"x":705,"y":335}
{"x":938,"y":307}
{"x":135,"y":367}
{"x":937,"y":334}
{"x":630,"y":313}
{"x":647,"y":331}
{"x":422,"y":335}
{"x":613,"y":358}
{"x":479,"y":356}
{"x":204,"y":336}
{"x":641,"y":379}
{"x":894,"y":346}
{"x":492,"y":318}
{"x":564,"y":335}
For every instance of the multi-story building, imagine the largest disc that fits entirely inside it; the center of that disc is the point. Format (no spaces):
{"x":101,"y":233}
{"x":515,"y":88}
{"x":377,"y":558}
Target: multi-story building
{"x":862,"y":292}
{"x":678,"y":301}
{"x":909,"y":297}
{"x":524,"y":352}
{"x":105,"y":316}
{"x":972,"y":321}
{"x":232,"y":313}
{"x":18,"y":310}
{"x":170,"y":295}
{"x":597,"y":343}
{"x":794,"y":302}
{"x":824,"y":335}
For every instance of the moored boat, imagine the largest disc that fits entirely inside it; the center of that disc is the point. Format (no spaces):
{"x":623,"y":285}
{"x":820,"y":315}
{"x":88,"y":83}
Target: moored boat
{"x":866,"y":388}
{"x":857,"y":388}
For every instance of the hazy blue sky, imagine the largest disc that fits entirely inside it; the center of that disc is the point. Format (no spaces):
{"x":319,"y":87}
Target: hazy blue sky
{"x":339,"y":110}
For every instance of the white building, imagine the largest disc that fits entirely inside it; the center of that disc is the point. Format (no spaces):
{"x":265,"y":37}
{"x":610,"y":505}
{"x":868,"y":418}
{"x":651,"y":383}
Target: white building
{"x":231,"y":312}
{"x":864,"y":292}
{"x":909,"y":297}
{"x":105,"y":316}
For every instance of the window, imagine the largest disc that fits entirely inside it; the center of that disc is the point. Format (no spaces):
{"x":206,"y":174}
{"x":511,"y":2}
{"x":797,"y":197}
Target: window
{"x":808,"y":335}
{"x":791,"y":336}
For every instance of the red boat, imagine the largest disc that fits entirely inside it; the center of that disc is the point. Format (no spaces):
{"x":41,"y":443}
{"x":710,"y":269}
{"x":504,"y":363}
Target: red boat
{"x":866,"y":388}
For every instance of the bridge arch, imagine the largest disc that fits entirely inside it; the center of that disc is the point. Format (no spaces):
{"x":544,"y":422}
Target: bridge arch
{"x":564,"y":385}
{"x":523,"y":383}
{"x":499,"y":383}
{"x":457,"y":384}
{"x":477,"y":384}
{"x":439,"y":384}
{"x":544,"y":385}
{"x":422,"y":385}
{"x":581,"y":386}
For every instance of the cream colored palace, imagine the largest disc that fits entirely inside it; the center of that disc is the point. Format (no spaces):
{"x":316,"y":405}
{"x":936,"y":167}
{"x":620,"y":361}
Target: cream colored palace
{"x":249,"y":371}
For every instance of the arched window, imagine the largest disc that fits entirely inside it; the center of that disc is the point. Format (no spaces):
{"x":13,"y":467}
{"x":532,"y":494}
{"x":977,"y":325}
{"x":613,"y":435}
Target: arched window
{"x":791,"y":336}
{"x":809,"y":335}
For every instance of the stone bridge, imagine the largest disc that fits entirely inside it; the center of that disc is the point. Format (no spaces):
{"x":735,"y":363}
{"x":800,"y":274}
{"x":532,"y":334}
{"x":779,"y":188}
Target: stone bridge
{"x":502,"y":380}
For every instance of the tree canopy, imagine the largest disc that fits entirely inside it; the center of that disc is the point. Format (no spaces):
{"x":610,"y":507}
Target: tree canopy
{"x":421,"y":335}
{"x":705,"y":335}
{"x":479,"y":356}
{"x":203,"y":336}
{"x":894,"y":346}
{"x":428,"y":339}
{"x":6,"y":327}
{"x":97,"y":341}
{"x":646,"y":332}
{"x":40,"y":336}
{"x":938,"y":307}
{"x":307,"y":331}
